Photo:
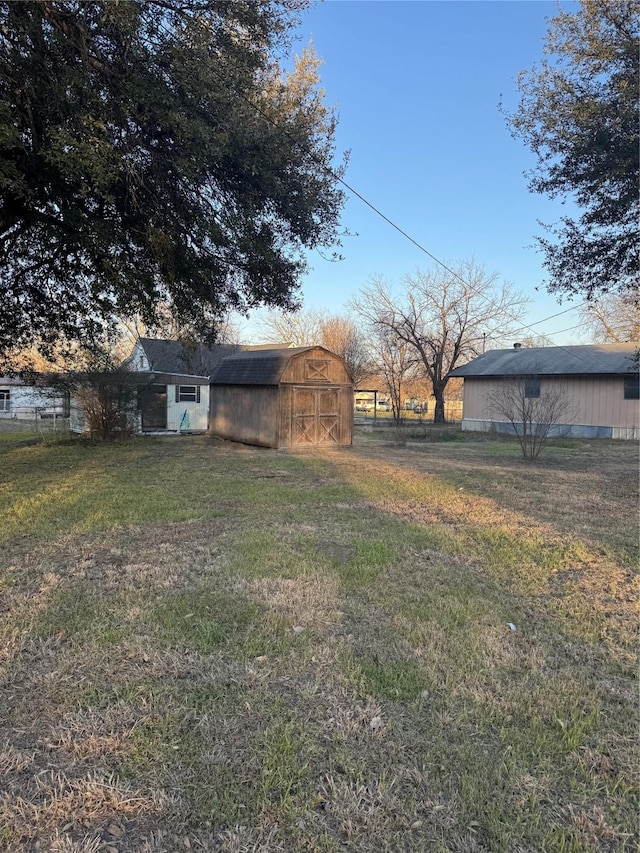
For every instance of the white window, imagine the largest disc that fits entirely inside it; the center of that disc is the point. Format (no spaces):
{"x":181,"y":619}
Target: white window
{"x":187,"y":393}
{"x":5,"y":400}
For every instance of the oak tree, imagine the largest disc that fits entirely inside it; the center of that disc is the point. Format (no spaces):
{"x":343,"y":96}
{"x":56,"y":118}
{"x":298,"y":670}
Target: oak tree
{"x":156,"y":153}
{"x":579,"y":115}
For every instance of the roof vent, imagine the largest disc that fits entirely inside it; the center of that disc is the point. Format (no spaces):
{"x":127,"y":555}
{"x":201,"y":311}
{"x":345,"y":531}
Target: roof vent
{"x":517,"y":346}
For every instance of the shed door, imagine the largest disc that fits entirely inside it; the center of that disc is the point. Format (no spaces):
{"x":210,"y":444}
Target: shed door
{"x":316,"y":415}
{"x":153,"y":405}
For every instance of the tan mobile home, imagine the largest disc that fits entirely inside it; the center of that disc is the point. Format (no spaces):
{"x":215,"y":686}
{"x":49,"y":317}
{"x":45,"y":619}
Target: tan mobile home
{"x":599,"y":381}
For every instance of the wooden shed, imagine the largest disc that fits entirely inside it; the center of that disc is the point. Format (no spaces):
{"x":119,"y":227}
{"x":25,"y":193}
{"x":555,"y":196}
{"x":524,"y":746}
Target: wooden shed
{"x":283,"y":398}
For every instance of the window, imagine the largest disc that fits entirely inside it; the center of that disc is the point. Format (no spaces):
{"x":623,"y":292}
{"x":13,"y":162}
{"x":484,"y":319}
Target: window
{"x":531,"y":388}
{"x":187,"y":393}
{"x":5,"y":400}
{"x":631,"y":387}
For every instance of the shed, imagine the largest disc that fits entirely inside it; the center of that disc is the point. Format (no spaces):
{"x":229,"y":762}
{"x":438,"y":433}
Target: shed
{"x":599,"y":381}
{"x":287,"y":397}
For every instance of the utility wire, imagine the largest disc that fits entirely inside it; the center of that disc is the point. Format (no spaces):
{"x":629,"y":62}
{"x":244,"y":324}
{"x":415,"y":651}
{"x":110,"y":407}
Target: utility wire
{"x":369,"y":204}
{"x":511,"y":332}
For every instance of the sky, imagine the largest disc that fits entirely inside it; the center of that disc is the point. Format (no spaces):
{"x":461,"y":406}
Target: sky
{"x":417,"y":87}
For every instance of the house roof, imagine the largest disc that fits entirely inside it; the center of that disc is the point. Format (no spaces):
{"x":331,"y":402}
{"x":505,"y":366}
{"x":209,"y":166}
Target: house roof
{"x":255,"y":367}
{"x":184,"y":360}
{"x":554,"y":361}
{"x":154,"y":378}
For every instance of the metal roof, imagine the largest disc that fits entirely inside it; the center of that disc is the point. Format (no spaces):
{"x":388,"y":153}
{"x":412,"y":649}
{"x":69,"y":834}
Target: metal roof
{"x":554,"y":361}
{"x":255,"y":367}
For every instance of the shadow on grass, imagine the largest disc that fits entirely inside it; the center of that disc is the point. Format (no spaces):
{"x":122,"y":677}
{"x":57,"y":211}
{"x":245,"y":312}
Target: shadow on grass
{"x":329,"y":665}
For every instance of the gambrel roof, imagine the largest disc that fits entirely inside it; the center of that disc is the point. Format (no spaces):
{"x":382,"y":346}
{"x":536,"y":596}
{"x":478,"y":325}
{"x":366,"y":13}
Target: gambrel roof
{"x":256,"y":367}
{"x":587,"y":360}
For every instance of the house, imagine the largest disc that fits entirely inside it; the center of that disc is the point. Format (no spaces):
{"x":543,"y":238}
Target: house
{"x":286,"y":397}
{"x":174,"y":383}
{"x":599,"y":382}
{"x":35,"y":400}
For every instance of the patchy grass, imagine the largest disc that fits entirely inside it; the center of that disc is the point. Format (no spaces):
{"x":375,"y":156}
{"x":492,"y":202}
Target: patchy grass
{"x":214,"y":646}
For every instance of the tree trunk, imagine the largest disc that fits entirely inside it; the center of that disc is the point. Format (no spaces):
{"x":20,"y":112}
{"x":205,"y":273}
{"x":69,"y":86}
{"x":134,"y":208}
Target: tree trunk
{"x":438,"y":415}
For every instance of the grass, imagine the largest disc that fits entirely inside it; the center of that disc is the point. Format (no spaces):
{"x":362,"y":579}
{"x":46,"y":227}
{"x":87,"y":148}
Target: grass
{"x":208,"y":645}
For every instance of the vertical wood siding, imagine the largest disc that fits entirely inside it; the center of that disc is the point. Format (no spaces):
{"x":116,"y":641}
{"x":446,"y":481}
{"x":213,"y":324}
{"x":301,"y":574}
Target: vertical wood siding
{"x":313,"y":404}
{"x":246,"y":413}
{"x":316,"y":367}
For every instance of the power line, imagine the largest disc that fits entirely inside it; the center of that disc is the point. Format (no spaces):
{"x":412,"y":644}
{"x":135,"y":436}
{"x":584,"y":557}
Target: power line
{"x":331,"y":171}
{"x":537,"y":323}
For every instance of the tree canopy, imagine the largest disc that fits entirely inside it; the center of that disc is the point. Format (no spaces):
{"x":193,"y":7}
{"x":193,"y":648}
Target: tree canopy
{"x":579,"y":115}
{"x":156,"y":153}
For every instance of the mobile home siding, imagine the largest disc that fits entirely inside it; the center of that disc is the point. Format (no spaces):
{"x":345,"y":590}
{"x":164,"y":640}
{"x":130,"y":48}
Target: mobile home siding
{"x":26,"y":401}
{"x":187,"y":416}
{"x":596,"y":401}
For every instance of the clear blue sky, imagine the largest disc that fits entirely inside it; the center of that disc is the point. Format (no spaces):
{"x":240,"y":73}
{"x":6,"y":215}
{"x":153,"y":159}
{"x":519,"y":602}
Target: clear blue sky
{"x":417,"y":86}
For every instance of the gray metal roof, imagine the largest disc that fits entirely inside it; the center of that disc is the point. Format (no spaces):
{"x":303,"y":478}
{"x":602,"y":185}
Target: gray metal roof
{"x":554,"y":361}
{"x":255,"y":367}
{"x":177,"y":358}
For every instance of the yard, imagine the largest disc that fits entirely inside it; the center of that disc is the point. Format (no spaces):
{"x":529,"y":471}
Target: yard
{"x":206,"y":646}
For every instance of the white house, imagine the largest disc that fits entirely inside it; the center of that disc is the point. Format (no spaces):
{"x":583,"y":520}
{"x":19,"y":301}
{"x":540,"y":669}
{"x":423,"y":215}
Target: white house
{"x":22,"y":400}
{"x":174,"y":383}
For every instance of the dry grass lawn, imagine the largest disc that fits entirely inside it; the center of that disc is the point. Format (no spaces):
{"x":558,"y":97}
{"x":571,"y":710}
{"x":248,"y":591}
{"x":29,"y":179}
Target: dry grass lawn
{"x":205,"y":646}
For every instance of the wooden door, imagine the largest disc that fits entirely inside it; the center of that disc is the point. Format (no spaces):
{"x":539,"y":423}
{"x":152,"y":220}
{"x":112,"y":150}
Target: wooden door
{"x":316,"y":416}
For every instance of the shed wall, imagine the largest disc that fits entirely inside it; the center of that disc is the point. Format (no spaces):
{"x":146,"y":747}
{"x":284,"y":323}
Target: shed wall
{"x":595,"y":401}
{"x":186,"y":416}
{"x":245,"y":413}
{"x":315,"y":414}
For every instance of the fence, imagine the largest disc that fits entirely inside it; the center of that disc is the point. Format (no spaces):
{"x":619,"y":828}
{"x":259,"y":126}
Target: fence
{"x":452,"y":413}
{"x":34,"y":419}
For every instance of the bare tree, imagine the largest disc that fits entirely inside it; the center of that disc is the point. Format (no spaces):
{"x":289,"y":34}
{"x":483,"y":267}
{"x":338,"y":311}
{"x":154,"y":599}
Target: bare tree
{"x":301,"y":328}
{"x":102,"y":389}
{"x":613,"y":318}
{"x":222,"y":330}
{"x":339,"y":334}
{"x":534,"y":409}
{"x":342,"y":336}
{"x":442,"y":315}
{"x":107,"y":401}
{"x":394,"y":362}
